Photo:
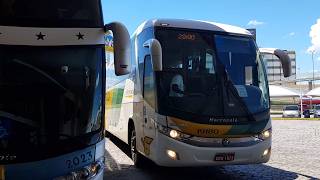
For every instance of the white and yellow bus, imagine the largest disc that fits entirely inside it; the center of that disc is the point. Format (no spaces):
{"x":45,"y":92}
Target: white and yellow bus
{"x":52,"y":84}
{"x":197,"y":95}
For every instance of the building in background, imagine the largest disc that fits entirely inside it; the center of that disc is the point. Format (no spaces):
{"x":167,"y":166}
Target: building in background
{"x":274,"y":68}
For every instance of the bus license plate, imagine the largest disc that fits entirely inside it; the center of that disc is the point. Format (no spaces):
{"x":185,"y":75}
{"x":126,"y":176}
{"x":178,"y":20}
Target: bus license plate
{"x":224,"y":157}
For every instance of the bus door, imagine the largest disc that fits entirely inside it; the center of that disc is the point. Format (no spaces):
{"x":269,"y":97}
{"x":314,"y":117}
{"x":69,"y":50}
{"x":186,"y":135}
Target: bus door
{"x":148,"y":105}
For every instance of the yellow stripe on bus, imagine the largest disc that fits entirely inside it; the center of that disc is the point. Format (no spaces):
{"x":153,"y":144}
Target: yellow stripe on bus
{"x":2,"y":173}
{"x":109,"y":96}
{"x":200,"y":130}
{"x":109,"y":49}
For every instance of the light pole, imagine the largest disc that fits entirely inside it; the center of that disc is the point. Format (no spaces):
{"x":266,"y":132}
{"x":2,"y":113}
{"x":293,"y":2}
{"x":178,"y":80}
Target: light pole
{"x":301,"y":106}
{"x":312,"y":53}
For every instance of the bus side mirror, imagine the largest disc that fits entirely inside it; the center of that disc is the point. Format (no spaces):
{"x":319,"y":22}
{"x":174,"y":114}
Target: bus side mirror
{"x":283,"y":57}
{"x":285,"y":61}
{"x":121,"y":46}
{"x":155,"y":53}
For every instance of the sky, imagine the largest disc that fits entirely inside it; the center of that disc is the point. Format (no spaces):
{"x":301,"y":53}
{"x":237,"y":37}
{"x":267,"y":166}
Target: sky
{"x":284,"y":24}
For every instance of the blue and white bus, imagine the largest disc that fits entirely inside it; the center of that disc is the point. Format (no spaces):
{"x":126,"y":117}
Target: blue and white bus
{"x":52,"y":84}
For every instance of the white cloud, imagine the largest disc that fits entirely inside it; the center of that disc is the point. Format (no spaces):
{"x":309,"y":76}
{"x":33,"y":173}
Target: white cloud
{"x":289,"y":35}
{"x":255,"y":23}
{"x":315,"y":37}
{"x":292,"y":34}
{"x":318,"y":59}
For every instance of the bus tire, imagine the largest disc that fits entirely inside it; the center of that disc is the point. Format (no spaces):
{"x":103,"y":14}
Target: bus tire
{"x":136,"y":157}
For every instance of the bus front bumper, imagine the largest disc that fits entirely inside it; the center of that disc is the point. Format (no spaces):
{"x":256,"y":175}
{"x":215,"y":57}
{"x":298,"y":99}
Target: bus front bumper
{"x":189,"y":155}
{"x":66,"y":166}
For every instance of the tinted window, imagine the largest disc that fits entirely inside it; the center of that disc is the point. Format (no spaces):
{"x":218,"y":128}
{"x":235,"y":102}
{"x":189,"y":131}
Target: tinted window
{"x":61,"y":13}
{"x":242,"y":62}
{"x":291,"y":108}
{"x":187,"y":50}
{"x":48,"y":96}
{"x":208,"y":75}
{"x":237,"y":53}
{"x":148,"y":82}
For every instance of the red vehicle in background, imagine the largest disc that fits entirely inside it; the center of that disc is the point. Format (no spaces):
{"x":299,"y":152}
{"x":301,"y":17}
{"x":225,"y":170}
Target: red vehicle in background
{"x":308,"y":103}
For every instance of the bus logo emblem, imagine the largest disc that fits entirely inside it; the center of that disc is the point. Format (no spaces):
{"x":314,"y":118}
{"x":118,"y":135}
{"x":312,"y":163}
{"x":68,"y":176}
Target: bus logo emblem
{"x":225,"y":142}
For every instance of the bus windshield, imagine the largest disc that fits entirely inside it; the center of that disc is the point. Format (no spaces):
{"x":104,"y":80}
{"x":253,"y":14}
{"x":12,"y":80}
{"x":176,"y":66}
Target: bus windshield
{"x":211,"y":76}
{"x":57,"y":13}
{"x":50,"y":99}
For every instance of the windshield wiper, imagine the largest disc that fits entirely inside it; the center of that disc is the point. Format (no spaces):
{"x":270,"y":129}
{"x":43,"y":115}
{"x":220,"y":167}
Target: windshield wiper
{"x":18,"y":119}
{"x":68,"y":93}
{"x":41,"y":72}
{"x":229,"y":86}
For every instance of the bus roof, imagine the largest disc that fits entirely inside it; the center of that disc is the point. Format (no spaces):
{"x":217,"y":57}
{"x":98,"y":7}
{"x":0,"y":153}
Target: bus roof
{"x":192,"y":24}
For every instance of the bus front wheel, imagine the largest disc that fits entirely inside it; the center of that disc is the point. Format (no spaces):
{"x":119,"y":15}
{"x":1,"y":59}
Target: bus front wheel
{"x":136,"y":157}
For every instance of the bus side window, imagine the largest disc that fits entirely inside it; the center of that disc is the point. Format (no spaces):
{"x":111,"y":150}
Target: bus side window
{"x":149,"y":82}
{"x":210,"y":62}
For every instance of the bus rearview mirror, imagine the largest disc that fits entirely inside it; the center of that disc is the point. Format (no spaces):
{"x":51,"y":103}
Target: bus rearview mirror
{"x":283,"y":57}
{"x":155,"y":53}
{"x":121,"y":46}
{"x":285,"y":61}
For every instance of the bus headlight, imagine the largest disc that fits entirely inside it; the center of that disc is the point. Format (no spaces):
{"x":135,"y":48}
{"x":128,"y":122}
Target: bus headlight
{"x":172,"y":155}
{"x":265,"y":152}
{"x":86,"y":172}
{"x":265,"y":134}
{"x":175,"y":134}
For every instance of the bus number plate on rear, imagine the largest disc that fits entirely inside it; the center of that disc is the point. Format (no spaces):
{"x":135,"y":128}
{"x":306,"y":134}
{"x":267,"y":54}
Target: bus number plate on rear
{"x":224,"y":157}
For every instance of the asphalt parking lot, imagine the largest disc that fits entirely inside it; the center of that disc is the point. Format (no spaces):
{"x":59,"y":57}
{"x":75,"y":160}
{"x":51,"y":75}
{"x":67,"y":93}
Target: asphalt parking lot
{"x":295,"y":155}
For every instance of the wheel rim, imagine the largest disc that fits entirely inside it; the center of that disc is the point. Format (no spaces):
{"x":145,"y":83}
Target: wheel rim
{"x":133,"y":147}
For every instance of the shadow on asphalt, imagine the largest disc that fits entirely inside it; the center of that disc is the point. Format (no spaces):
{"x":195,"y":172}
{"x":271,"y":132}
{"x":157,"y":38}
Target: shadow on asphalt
{"x":154,"y":172}
{"x":120,"y":144}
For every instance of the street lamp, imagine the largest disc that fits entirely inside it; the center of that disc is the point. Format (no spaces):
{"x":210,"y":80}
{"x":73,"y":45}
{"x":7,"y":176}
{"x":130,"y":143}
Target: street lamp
{"x":301,"y":95}
{"x":312,"y":53}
